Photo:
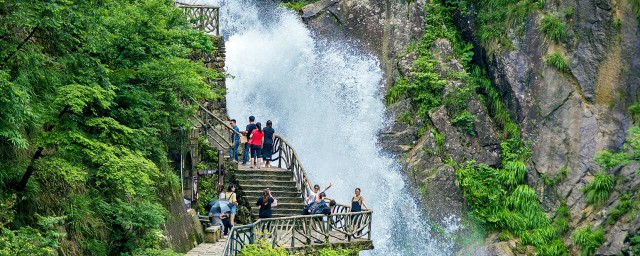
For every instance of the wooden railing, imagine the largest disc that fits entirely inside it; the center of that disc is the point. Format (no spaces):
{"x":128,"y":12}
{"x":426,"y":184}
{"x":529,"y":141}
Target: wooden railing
{"x":204,"y":17}
{"x":216,"y":129}
{"x":297,"y":231}
{"x":288,"y":159}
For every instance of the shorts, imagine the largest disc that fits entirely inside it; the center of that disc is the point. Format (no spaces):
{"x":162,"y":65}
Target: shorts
{"x":234,"y":209}
{"x":256,"y":151}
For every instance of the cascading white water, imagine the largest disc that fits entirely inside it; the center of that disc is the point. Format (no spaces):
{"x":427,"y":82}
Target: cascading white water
{"x":325,"y":98}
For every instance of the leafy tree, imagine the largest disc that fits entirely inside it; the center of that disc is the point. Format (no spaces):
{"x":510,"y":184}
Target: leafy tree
{"x":93,"y":92}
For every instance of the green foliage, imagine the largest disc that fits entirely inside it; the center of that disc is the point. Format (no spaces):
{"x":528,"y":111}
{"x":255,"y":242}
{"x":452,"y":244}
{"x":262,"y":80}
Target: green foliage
{"x":262,"y":248}
{"x":557,"y":61}
{"x":588,"y":240}
{"x":100,"y":88}
{"x":561,"y":221}
{"x":296,"y":5}
{"x":634,"y":111}
{"x":154,"y":252}
{"x":622,"y":208}
{"x":42,"y":240}
{"x":336,"y":252}
{"x":597,"y":192}
{"x":568,"y":13}
{"x":553,"y":28}
{"x":635,"y":243}
{"x":465,"y":120}
{"x":496,"y":19}
{"x":635,"y":7}
{"x":607,"y":160}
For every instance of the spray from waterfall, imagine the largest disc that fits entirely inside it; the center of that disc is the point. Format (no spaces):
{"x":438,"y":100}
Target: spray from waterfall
{"x":325,"y":98}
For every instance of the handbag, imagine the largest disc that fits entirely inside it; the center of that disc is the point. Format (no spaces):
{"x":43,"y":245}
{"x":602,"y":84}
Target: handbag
{"x":275,"y":202}
{"x":243,"y":139}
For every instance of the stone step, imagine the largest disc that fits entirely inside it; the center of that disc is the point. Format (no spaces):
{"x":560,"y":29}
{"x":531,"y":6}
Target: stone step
{"x":268,"y":183}
{"x":292,"y":200}
{"x":272,"y":172}
{"x":281,"y":212}
{"x":274,"y":189}
{"x":278,"y":215}
{"x":254,"y":194}
{"x":260,"y":177}
{"x":281,"y":205}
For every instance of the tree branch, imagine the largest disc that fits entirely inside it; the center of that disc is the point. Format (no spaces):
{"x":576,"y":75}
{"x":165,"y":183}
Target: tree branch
{"x":31,"y":169}
{"x":21,"y":44}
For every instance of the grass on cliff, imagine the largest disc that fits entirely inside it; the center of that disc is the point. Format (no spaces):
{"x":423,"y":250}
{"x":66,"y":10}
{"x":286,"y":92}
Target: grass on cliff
{"x":553,"y":28}
{"x":598,"y":190}
{"x":499,"y":197}
{"x":496,"y":19}
{"x":556,"y":60}
{"x":588,"y":240}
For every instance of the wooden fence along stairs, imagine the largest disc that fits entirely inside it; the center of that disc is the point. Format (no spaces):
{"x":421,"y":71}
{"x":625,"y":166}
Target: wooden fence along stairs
{"x":288,"y":182}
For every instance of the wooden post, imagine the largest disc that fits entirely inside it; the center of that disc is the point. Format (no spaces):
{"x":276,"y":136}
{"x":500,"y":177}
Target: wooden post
{"x":370,"y":220}
{"x":280,"y":154}
{"x":220,"y":167}
{"x":217,"y":11}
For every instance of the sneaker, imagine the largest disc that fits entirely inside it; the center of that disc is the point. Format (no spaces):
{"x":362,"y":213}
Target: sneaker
{"x":318,"y":241}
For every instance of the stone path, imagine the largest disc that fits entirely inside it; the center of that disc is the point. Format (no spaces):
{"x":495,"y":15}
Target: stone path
{"x":208,"y":249}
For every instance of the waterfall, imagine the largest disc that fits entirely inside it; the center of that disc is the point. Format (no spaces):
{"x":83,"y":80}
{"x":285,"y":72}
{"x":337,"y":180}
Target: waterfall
{"x":325,"y":98}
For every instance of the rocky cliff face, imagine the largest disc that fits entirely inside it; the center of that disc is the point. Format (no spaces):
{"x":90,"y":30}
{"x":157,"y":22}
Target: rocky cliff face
{"x":571,"y":116}
{"x":566,"y":116}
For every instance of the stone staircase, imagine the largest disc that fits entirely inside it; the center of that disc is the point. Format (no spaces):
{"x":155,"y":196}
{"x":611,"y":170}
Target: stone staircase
{"x":282,"y":186}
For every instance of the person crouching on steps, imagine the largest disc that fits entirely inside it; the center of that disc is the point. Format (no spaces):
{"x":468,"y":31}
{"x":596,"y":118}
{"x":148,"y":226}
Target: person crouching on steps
{"x":256,"y":140}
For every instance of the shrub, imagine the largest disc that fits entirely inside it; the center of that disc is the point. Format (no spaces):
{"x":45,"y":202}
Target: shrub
{"x":552,"y":27}
{"x":597,"y":192}
{"x":557,"y":61}
{"x":588,"y":240}
{"x":262,"y":248}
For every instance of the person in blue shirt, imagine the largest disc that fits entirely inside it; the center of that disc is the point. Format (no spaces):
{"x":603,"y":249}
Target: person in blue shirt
{"x":235,"y":140}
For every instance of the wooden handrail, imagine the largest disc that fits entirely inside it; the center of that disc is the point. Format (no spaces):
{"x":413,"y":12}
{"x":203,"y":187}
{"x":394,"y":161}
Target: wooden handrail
{"x":300,"y":230}
{"x":206,"y":17}
{"x":288,"y":157}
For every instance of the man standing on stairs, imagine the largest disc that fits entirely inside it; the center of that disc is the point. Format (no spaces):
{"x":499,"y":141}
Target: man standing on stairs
{"x":235,"y":139}
{"x":247,"y":132}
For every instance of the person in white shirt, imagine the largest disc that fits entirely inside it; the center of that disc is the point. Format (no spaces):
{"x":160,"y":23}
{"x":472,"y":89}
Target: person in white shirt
{"x":314,"y":193}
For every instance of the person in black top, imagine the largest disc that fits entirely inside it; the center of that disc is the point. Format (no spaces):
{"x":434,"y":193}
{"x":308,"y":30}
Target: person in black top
{"x":264,"y":203}
{"x":250,"y":127}
{"x":267,"y":147}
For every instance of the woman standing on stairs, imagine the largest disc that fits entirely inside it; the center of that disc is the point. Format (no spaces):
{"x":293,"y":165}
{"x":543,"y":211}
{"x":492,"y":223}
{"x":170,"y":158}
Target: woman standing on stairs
{"x":264,"y":203}
{"x":230,"y":196}
{"x":267,"y":146}
{"x":256,"y":140}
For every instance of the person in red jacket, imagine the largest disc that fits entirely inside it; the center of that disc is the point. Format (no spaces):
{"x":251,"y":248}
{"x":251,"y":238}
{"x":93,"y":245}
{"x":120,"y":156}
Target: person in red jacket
{"x":255,"y":141}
